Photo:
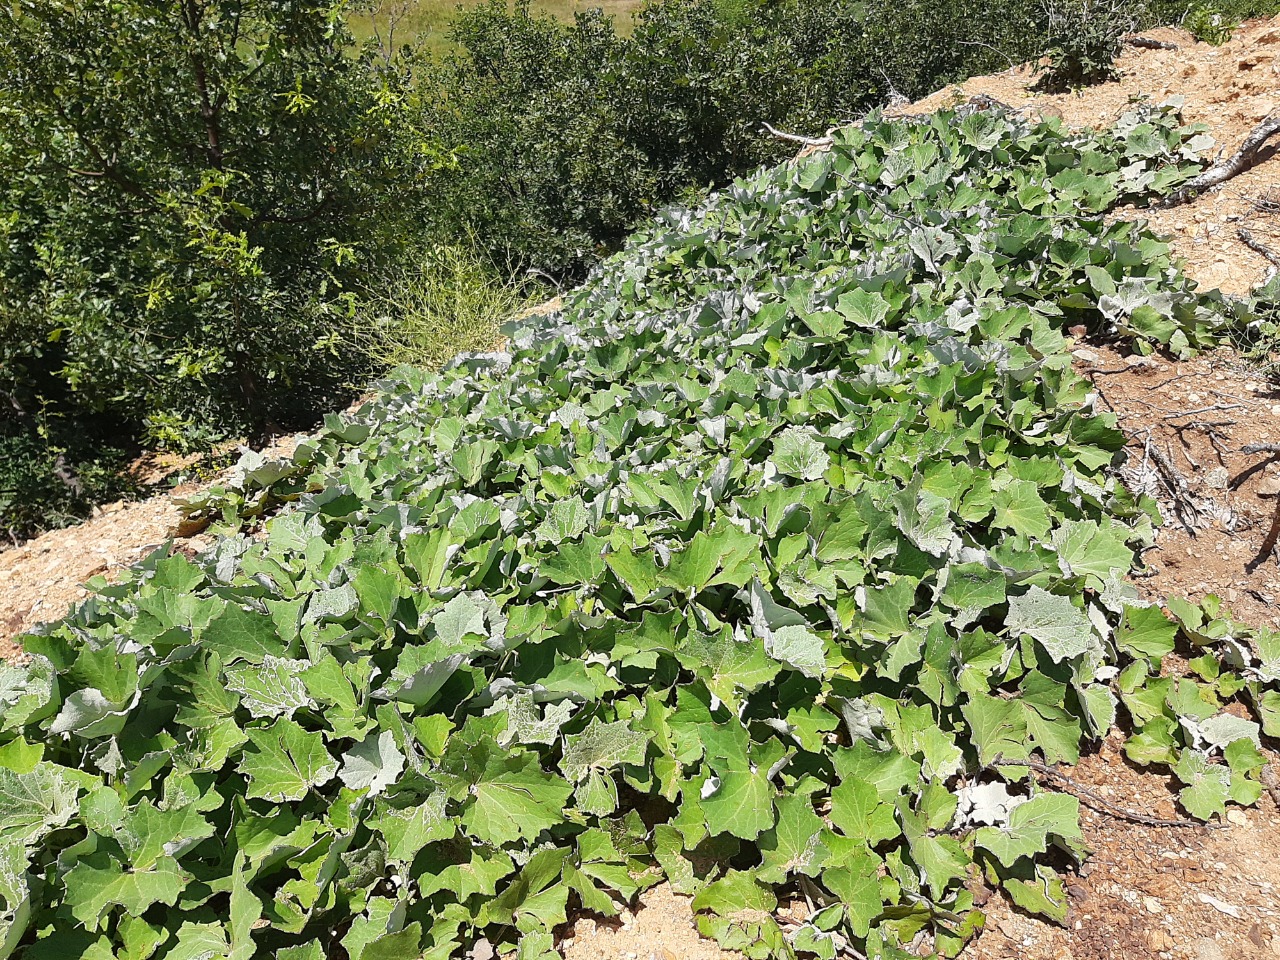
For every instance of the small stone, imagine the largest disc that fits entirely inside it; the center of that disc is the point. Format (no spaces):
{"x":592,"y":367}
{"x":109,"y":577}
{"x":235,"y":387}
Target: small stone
{"x":1153,"y":905}
{"x":1238,"y":817}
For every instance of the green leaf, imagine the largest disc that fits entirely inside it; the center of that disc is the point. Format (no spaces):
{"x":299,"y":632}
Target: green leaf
{"x":1146,"y":632}
{"x":941,"y":860}
{"x":1207,"y":785}
{"x":459,"y":624}
{"x":1060,"y":627}
{"x":272,"y":688}
{"x":1086,"y":548}
{"x":799,"y":648}
{"x":34,"y":803}
{"x":98,"y":883}
{"x":566,"y":520}
{"x":373,"y":763}
{"x":862,"y":308}
{"x":741,"y":804}
{"x":241,"y":634}
{"x":1019,"y":508}
{"x":797,"y":453}
{"x":793,"y":844}
{"x":284,"y":761}
{"x":1030,"y":827}
{"x":736,"y":891}
{"x":1045,"y":894}
{"x":601,"y":747}
{"x":515,"y":800}
{"x":857,"y":885}
{"x":410,"y":829}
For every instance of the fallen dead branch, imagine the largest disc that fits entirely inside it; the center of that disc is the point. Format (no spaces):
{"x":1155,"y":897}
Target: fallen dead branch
{"x":1269,"y":544}
{"x":1251,"y":153}
{"x":1269,"y":488}
{"x":1147,"y":43}
{"x":1271,"y":781}
{"x":798,"y":138}
{"x":1099,"y":802}
{"x":1257,"y":246}
{"x":1210,"y":409}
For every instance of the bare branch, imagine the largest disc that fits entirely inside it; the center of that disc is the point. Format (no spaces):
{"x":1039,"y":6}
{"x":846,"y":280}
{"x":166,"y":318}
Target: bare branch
{"x":1268,"y":543}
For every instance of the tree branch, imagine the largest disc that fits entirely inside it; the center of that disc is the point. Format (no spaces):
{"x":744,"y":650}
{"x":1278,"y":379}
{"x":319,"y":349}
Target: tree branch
{"x":797,"y":138}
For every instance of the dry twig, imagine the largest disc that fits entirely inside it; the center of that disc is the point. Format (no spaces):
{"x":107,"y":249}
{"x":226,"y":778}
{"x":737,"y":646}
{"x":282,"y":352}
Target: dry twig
{"x":1210,"y":409}
{"x":1183,"y":502}
{"x":1271,"y":781}
{"x":1268,"y":543}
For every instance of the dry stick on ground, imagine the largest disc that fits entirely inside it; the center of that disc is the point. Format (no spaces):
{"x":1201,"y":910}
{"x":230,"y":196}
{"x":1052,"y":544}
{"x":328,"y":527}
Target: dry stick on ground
{"x":1271,"y":448}
{"x":1099,"y":802}
{"x":1147,"y":43}
{"x":1271,"y":781}
{"x":1257,"y":246}
{"x":1211,"y":409}
{"x":1250,"y":154}
{"x":1210,"y":429}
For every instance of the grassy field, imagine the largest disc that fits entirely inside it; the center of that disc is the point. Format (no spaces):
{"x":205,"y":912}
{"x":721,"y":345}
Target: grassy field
{"x":427,"y":21}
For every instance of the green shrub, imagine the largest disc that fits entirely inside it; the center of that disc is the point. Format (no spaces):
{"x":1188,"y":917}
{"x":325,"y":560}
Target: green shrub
{"x":190,"y":195}
{"x":1208,"y":24}
{"x":564,"y":136}
{"x":1083,"y":40}
{"x":51,"y":476}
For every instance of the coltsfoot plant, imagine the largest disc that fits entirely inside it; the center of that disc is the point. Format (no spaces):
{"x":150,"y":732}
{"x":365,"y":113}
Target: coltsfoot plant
{"x":759,"y":568}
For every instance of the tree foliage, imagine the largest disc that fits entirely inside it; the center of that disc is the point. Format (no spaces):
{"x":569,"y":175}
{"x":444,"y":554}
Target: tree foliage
{"x":191,"y":191}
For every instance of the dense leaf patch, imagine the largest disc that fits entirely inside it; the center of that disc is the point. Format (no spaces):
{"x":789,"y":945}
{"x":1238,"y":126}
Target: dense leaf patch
{"x":754,"y":568}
